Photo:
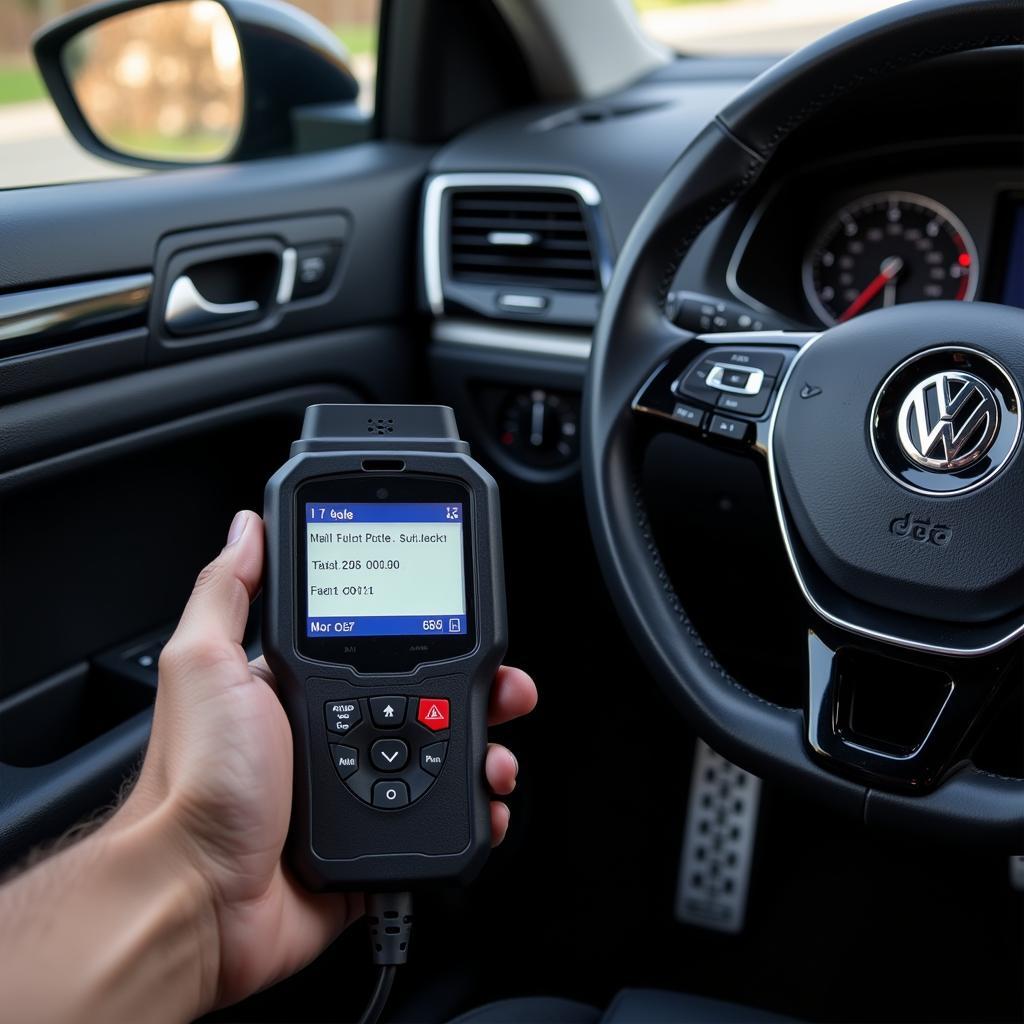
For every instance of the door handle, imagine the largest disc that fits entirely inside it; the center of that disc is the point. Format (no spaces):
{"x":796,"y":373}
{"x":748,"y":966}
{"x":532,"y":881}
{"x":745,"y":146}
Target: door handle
{"x":188,"y":312}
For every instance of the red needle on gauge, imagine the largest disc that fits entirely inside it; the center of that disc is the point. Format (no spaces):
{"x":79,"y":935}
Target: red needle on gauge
{"x":890,"y":268}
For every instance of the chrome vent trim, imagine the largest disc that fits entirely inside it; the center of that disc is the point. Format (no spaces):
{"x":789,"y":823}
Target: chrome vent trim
{"x":576,"y":190}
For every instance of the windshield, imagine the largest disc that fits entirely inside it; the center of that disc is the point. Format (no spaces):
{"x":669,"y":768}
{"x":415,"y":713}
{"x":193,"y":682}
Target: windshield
{"x":738,"y":27}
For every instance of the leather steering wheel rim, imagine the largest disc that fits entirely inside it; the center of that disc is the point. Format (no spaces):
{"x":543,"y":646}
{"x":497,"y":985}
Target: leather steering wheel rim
{"x":633,"y":335}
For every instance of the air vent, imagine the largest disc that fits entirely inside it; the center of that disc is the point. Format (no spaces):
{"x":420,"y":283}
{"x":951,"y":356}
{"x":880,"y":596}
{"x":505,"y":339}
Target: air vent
{"x":521,"y":237}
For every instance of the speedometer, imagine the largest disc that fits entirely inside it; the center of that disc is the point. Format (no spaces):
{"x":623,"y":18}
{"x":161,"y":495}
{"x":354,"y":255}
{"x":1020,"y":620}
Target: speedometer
{"x":888,"y":248}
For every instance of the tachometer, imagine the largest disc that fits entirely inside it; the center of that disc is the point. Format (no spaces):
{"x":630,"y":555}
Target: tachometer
{"x":888,"y":248}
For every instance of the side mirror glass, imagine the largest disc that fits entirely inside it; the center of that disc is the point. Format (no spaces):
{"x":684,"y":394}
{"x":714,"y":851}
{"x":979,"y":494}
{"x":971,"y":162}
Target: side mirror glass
{"x":157,"y":83}
{"x":162,"y":82}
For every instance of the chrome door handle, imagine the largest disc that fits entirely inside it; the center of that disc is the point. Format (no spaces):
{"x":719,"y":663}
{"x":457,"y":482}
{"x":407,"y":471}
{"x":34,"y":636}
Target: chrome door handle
{"x":188,"y":312}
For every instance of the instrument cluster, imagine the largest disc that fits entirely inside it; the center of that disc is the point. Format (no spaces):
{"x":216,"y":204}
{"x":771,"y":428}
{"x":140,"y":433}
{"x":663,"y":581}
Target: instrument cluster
{"x":819,"y":252}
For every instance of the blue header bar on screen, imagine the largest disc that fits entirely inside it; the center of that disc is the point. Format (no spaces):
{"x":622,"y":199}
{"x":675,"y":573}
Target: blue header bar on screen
{"x":386,"y":625}
{"x":383,"y":512}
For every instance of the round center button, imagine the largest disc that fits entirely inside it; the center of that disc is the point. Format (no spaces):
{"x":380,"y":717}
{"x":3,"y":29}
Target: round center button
{"x":389,"y":755}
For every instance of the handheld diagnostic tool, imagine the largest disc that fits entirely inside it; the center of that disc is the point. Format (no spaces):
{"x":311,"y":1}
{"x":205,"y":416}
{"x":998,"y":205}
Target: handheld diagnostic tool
{"x":384,"y":622}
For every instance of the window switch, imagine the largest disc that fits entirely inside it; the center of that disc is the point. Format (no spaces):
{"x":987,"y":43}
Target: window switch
{"x":314,"y":269}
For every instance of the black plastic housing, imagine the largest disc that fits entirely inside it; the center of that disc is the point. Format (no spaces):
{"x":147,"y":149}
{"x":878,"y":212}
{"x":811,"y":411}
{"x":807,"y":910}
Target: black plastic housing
{"x":336,"y":840}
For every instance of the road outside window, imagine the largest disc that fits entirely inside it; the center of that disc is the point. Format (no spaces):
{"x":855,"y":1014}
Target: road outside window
{"x":748,"y":27}
{"x":36,"y":148}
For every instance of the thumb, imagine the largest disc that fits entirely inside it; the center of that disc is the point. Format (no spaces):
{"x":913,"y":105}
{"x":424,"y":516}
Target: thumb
{"x":213,"y":622}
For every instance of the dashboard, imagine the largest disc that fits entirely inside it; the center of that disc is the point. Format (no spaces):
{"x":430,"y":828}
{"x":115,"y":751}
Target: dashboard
{"x":889,"y":198}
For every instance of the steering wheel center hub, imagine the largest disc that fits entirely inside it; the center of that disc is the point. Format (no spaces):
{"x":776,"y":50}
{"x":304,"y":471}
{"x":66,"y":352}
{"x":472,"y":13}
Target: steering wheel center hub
{"x":901,"y":476}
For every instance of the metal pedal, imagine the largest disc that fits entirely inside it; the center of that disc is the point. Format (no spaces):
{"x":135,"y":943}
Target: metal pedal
{"x":718,"y":843}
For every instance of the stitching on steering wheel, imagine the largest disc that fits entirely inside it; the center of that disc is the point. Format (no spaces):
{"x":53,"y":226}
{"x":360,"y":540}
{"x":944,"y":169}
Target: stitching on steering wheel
{"x":644,"y":524}
{"x":994,"y":775}
{"x":711,"y":211}
{"x":888,"y":67}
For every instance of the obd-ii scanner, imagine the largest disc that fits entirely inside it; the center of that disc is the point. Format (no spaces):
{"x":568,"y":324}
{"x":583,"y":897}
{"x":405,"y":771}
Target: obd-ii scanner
{"x":384,"y":623}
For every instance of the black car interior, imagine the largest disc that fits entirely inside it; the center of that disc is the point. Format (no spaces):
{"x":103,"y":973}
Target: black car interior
{"x":651,"y":591}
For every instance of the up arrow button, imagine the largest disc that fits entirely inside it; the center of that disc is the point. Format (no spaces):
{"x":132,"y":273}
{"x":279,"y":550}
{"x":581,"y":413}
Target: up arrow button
{"x":387,"y":712}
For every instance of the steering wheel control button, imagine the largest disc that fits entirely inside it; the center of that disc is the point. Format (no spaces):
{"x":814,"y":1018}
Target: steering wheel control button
{"x":725,"y":426}
{"x":389,"y":755}
{"x":770,"y":363}
{"x":433,"y":713}
{"x":346,"y":760}
{"x":695,"y":383}
{"x":342,"y":716}
{"x":387,"y":712}
{"x":432,"y":757}
{"x":390,"y":793}
{"x":688,"y":414}
{"x":748,"y":405}
{"x":737,"y":380}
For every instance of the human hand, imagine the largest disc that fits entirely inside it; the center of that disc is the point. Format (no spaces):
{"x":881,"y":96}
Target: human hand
{"x":218,"y":776}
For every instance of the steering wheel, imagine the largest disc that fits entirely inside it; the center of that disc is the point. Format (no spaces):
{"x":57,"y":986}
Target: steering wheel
{"x":892,"y":447}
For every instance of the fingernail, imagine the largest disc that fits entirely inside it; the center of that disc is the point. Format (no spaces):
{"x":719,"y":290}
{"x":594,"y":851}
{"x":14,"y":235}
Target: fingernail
{"x":238,"y":525}
{"x":515,"y":761}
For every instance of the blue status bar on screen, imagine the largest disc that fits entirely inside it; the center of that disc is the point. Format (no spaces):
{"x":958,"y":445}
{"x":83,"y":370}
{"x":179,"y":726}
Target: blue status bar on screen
{"x":386,"y":625}
{"x":384,"y":512}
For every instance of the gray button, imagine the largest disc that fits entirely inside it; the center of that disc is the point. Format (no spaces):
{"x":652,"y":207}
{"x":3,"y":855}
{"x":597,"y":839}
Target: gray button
{"x":388,"y":793}
{"x":387,"y":712}
{"x":770,"y":362}
{"x":723,"y":426}
{"x":342,"y":715}
{"x":694,"y":383}
{"x":346,"y":759}
{"x":432,"y":757}
{"x":748,"y":405}
{"x":389,"y":755}
{"x":687,"y":414}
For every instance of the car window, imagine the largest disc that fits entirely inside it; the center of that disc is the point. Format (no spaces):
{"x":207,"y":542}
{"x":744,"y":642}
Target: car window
{"x":35,"y":146}
{"x":747,"y":27}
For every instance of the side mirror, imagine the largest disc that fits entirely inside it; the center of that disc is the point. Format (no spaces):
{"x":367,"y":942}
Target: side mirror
{"x":158,"y":83}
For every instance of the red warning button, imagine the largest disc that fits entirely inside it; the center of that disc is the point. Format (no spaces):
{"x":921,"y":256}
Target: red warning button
{"x":433,"y":713}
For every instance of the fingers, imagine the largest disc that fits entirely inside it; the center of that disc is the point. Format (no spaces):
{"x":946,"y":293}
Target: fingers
{"x":501,"y":768}
{"x":500,"y":815}
{"x":213,"y":621}
{"x":513,"y":695}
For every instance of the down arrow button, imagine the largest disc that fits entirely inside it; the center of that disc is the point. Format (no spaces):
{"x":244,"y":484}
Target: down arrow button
{"x":389,"y":755}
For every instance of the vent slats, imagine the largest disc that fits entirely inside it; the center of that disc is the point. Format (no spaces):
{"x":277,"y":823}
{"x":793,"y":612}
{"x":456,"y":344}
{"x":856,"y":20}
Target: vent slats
{"x":559,"y":255}
{"x":501,"y":221}
{"x":471,"y":241}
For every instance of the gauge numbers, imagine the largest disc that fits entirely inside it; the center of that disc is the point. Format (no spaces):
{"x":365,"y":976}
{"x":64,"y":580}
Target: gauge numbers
{"x":885,"y":249}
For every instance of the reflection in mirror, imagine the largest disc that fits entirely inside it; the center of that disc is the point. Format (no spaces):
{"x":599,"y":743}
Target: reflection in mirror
{"x":162,"y":82}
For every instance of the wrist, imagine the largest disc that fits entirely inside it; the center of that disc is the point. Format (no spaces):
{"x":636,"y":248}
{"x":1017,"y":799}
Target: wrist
{"x":176,"y":931}
{"x":119,"y":926}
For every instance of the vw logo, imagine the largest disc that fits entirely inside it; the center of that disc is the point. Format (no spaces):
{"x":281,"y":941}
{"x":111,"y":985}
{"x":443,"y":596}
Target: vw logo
{"x":948,"y":421}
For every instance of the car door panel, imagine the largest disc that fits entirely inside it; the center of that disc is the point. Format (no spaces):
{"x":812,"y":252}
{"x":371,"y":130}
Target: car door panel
{"x":124,"y":449}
